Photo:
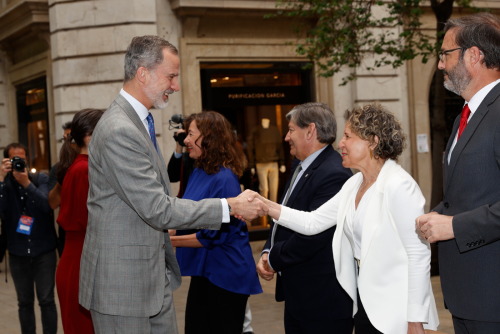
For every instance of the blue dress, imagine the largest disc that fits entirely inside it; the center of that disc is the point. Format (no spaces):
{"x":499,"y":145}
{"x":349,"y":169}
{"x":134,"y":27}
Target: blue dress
{"x":226,"y":257}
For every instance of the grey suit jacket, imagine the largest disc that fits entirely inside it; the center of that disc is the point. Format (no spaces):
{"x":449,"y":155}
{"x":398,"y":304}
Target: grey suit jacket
{"x":127,"y":251}
{"x":469,"y":265}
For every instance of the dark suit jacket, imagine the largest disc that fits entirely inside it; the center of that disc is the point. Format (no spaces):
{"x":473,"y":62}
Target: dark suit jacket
{"x":470,"y":263}
{"x":308,"y":283}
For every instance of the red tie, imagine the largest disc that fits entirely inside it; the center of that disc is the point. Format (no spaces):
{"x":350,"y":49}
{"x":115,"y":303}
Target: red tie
{"x":463,"y":120}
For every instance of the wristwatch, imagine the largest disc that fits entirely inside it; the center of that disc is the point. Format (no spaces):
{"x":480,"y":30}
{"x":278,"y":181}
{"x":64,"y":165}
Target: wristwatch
{"x":229,"y":207}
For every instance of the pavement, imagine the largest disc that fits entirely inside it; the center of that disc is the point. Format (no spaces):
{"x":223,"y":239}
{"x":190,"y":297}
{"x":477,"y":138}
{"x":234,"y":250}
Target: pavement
{"x":267,"y":314}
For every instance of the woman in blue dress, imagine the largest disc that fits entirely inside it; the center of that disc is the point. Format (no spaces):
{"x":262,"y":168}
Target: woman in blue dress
{"x":220,"y":263}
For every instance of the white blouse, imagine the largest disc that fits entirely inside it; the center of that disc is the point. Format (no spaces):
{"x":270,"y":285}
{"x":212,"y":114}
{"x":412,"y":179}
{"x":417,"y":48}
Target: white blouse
{"x":353,"y":228}
{"x":394,"y":275}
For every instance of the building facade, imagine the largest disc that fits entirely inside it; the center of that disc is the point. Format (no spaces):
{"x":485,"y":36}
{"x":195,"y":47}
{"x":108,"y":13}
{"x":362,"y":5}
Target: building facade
{"x":60,"y":56}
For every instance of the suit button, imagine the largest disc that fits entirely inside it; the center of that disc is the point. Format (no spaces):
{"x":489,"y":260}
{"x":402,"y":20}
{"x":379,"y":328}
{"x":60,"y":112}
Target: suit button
{"x":446,"y":205}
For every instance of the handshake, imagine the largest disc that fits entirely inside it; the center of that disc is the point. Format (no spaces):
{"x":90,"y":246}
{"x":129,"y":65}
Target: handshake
{"x":249,"y":205}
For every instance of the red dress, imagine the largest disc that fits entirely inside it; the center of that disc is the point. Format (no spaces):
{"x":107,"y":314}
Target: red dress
{"x":73,"y":219}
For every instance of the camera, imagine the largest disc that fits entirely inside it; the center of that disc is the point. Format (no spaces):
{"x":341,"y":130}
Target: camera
{"x":177,"y":122}
{"x":18,"y":164}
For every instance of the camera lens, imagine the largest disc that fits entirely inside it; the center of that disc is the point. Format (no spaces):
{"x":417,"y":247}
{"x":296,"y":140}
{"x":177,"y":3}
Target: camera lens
{"x":177,"y":118}
{"x":18,"y":164}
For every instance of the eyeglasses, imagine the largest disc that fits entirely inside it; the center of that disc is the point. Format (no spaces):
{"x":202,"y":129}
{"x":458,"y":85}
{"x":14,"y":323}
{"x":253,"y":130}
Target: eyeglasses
{"x":443,"y":53}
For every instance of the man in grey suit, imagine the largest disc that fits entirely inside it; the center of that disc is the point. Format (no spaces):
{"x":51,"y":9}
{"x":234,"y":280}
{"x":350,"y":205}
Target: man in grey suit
{"x":466,"y":224}
{"x":128,"y":267}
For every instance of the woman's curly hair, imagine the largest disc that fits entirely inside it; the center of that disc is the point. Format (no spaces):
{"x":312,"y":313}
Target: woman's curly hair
{"x":374,"y":120}
{"x":219,"y":145}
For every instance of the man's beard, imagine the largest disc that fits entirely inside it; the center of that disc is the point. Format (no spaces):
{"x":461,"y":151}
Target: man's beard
{"x":458,"y":78}
{"x":157,"y":98}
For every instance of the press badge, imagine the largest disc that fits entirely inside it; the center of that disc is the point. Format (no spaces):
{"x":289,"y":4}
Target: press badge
{"x":24,"y":225}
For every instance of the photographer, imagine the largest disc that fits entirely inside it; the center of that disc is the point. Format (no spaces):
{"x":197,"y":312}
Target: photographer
{"x":180,"y":165}
{"x":31,"y":238}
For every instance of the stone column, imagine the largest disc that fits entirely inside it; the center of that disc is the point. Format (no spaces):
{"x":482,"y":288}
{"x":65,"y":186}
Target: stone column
{"x":88,"y":42}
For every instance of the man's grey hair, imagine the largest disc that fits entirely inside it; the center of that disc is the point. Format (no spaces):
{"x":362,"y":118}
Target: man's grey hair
{"x":145,"y":51}
{"x":319,"y":114}
{"x":481,"y":30}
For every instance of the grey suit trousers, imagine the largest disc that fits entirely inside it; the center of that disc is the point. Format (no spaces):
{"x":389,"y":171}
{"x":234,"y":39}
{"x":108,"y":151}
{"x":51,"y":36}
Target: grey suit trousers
{"x":164,"y":322}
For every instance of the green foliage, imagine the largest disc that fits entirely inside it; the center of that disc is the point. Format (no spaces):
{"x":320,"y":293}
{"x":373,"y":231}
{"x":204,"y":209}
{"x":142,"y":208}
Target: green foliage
{"x":341,"y":33}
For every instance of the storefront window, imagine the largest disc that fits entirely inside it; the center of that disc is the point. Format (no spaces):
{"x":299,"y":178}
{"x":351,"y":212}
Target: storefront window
{"x":247,"y":93}
{"x":33,"y":122}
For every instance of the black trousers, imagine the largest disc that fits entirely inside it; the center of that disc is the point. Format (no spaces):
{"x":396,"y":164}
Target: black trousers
{"x":213,"y":310}
{"x":362,"y":324}
{"x":297,"y":324}
{"x":463,"y":326}
{"x":35,"y":275}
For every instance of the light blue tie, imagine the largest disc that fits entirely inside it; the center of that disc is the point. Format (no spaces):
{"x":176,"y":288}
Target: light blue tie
{"x":151,"y":128}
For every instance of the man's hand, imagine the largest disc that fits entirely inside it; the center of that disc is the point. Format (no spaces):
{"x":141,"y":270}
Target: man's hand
{"x":178,"y":148}
{"x":5,"y":168}
{"x":22,"y":177}
{"x":263,"y":268}
{"x":435,"y":227}
{"x":246,"y":206}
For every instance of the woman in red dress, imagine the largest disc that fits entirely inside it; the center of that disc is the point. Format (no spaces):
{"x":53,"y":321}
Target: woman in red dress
{"x":73,"y":219}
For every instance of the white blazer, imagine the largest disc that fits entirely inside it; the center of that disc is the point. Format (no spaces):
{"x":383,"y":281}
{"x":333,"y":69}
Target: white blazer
{"x":394,"y":273}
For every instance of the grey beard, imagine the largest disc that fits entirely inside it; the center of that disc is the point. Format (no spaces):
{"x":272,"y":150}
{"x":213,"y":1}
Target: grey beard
{"x":449,"y":86}
{"x":458,"y":79}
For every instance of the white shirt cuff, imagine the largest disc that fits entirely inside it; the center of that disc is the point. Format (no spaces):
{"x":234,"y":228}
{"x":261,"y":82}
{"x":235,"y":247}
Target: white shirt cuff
{"x":226,"y":218}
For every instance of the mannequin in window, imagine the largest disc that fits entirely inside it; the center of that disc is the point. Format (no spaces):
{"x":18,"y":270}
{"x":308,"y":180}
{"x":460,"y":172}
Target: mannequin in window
{"x":266,"y":157}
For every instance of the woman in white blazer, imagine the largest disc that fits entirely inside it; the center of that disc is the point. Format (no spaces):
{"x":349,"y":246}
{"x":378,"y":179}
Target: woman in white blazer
{"x":380,"y":259}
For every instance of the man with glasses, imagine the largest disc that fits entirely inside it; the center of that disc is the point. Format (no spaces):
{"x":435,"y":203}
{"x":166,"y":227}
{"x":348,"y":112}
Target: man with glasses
{"x":444,"y":53}
{"x":466,"y":224}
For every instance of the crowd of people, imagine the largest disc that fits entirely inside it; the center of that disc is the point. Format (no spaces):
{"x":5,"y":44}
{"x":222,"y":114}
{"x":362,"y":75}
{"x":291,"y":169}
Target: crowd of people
{"x":350,"y":252}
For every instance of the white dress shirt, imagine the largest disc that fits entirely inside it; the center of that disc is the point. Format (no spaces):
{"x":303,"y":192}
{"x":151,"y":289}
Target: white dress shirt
{"x":143,"y":112}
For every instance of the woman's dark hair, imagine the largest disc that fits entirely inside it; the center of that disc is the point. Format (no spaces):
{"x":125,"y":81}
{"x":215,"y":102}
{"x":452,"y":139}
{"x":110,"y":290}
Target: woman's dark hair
{"x":374,"y":120}
{"x":82,"y":125}
{"x":219,"y":145}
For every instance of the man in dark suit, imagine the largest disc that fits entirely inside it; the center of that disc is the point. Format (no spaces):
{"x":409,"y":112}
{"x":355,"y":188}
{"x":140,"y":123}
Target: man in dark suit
{"x":314,"y":300}
{"x":466,"y":224}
